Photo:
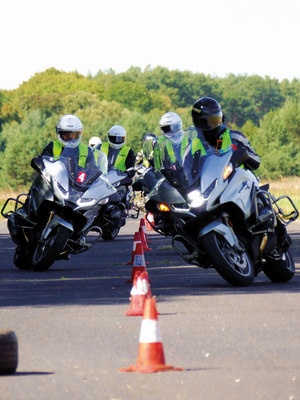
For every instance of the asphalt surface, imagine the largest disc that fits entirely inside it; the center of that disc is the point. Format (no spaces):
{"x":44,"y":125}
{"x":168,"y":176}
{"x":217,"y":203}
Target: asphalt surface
{"x":73,"y":335}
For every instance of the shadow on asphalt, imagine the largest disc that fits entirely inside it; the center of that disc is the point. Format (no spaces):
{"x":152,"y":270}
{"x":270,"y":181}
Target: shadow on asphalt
{"x":98,"y":277}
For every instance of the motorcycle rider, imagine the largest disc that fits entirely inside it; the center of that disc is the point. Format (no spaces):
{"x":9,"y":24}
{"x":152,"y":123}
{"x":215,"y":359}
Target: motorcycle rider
{"x":145,"y":155}
{"x":208,"y":120}
{"x":119,"y":155}
{"x":170,"y":147}
{"x":100,"y":157}
{"x":69,"y":132}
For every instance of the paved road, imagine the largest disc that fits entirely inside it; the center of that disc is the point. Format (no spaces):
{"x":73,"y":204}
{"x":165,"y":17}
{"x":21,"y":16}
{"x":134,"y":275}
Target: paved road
{"x":233,"y":343}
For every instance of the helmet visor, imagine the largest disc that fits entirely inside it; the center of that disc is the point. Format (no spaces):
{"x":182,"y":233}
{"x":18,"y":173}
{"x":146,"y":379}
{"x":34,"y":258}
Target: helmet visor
{"x":117,"y":139}
{"x":67,"y":136}
{"x":171,"y":129}
{"x":209,"y":122}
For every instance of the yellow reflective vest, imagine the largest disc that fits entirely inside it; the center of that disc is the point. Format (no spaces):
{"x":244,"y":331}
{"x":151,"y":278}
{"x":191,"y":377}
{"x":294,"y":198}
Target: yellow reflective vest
{"x":120,"y":161}
{"x":83,"y":152}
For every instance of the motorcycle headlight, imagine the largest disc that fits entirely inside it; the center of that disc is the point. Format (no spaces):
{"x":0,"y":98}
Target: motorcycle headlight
{"x":196,"y":198}
{"x":86,"y":202}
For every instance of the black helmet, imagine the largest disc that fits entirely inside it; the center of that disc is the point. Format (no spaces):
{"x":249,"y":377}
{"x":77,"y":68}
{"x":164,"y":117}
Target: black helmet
{"x":208,"y":117}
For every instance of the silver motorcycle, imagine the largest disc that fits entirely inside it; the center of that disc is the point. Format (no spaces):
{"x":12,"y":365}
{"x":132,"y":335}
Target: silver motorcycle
{"x":218,"y":216}
{"x":57,"y":217}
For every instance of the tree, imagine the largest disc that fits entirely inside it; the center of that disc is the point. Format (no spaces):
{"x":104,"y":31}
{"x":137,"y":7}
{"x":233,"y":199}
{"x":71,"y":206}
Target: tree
{"x":23,"y":142}
{"x":278,"y":141}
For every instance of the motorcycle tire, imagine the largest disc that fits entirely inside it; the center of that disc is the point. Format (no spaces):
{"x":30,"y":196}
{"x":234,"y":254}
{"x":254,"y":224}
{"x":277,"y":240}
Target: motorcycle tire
{"x":110,"y":234}
{"x":8,"y":352}
{"x":22,"y":260}
{"x":280,"y":271}
{"x":236,"y":268}
{"x":47,"y":252}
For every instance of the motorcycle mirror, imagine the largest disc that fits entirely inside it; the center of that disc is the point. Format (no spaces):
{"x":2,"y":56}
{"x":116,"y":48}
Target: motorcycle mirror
{"x":37,"y":164}
{"x":239,"y":157}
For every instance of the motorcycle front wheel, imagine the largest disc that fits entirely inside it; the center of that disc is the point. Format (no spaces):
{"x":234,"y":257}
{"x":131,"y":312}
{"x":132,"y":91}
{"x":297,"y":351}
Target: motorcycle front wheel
{"x":47,"y":251}
{"x":234,"y":266}
{"x":110,"y":234}
{"x":280,"y":271}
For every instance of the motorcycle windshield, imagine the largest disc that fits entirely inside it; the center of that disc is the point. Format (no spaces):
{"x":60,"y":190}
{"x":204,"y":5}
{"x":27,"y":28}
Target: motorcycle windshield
{"x":197,"y":170}
{"x":65,"y":167}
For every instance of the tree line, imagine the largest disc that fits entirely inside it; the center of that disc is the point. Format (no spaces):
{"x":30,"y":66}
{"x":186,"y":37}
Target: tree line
{"x":266,"y":110}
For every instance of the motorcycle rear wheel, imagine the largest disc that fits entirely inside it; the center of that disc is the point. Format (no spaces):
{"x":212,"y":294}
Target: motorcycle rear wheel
{"x":110,"y":234}
{"x":235,"y":267}
{"x":22,"y":260}
{"x":47,"y":252}
{"x":280,"y":271}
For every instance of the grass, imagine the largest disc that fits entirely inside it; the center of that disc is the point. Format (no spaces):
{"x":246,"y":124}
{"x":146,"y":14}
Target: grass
{"x":288,"y":186}
{"x":7,"y":193}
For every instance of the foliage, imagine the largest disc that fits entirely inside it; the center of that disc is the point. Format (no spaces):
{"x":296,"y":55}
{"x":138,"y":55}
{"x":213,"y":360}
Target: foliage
{"x":264,"y":109}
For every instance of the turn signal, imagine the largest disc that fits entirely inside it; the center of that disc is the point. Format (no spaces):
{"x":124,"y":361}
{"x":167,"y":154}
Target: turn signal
{"x":163,"y":207}
{"x":227,"y":171}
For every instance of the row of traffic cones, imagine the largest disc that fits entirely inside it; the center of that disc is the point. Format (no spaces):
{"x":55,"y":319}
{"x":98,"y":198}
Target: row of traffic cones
{"x":150,"y":353}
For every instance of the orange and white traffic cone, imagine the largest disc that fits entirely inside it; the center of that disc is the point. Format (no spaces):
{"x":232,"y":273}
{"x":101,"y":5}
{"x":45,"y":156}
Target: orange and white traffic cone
{"x":151,"y":356}
{"x":139,"y":292}
{"x":144,"y":240}
{"x":138,"y":263}
{"x":143,"y":227}
{"x":136,"y":239}
{"x":149,"y":221}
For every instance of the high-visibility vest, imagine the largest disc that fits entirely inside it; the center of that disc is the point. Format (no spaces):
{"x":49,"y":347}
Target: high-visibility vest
{"x":225,"y":141}
{"x":120,"y":161}
{"x":170,"y":150}
{"x":83,"y":152}
{"x":167,"y":144}
{"x":198,"y":145}
{"x":222,"y":144}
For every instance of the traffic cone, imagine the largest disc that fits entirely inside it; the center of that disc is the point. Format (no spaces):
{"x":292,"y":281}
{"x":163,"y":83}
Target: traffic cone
{"x":139,"y":292}
{"x":138,"y":263}
{"x":143,"y":227}
{"x":144,"y":240}
{"x":137,"y":239}
{"x":149,"y":221}
{"x":151,"y":356}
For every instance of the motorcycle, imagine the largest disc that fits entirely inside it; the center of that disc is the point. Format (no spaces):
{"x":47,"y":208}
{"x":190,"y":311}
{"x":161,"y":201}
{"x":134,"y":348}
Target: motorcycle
{"x":113,"y":215}
{"x":218,"y":216}
{"x":57,"y":217}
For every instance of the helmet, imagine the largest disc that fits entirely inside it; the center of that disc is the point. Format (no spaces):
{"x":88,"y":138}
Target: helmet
{"x":149,"y":137}
{"x":208,"y":117}
{"x":94,"y":142}
{"x":69,"y":131}
{"x":117,"y":136}
{"x":171,"y":127}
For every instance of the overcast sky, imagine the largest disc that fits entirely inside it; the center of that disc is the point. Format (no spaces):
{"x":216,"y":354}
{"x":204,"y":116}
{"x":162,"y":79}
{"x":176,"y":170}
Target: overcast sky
{"x":215,"y":37}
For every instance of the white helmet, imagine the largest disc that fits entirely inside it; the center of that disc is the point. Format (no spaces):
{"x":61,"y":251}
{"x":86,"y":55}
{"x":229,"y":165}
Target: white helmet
{"x":69,"y":131}
{"x":171,"y":126}
{"x":95,"y":141}
{"x":117,"y":136}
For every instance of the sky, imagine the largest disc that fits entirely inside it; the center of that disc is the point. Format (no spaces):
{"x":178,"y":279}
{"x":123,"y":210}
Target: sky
{"x":216,"y":37}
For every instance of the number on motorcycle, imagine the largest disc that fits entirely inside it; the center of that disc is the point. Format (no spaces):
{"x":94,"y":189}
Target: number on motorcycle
{"x":81,"y":177}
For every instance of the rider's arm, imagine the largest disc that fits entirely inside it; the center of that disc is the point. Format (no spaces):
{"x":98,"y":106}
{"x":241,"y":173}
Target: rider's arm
{"x":240,"y":140}
{"x":130,"y":159}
